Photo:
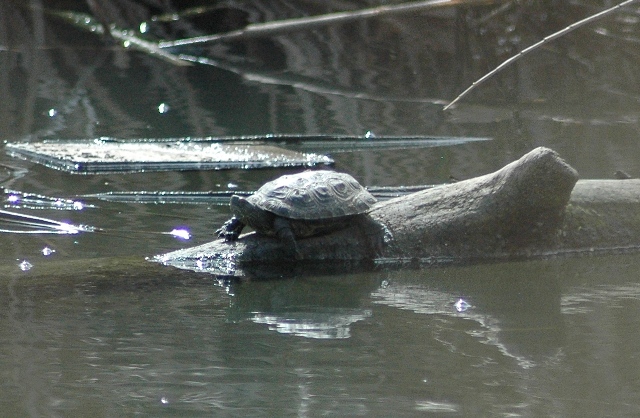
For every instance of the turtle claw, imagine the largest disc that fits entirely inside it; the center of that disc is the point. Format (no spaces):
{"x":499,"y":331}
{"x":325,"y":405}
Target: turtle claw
{"x":230,"y":230}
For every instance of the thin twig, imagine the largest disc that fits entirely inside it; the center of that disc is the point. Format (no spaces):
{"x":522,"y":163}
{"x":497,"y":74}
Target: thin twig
{"x":525,"y":51}
{"x":128,"y":39}
{"x":301,"y":83}
{"x":261,"y":29}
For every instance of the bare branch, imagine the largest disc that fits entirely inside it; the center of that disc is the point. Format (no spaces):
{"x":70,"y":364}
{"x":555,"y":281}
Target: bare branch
{"x":269,"y":28}
{"x":128,"y":38}
{"x":531,"y":48}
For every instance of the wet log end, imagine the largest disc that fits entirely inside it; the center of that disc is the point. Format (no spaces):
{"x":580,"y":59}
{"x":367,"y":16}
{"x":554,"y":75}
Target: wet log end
{"x":517,"y":206}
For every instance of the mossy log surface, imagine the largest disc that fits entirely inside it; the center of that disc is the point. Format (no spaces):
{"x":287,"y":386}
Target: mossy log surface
{"x":534,"y":206}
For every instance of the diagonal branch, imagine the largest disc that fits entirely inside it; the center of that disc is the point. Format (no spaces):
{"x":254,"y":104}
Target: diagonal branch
{"x":128,"y":39}
{"x":268,"y":28}
{"x":531,"y":48}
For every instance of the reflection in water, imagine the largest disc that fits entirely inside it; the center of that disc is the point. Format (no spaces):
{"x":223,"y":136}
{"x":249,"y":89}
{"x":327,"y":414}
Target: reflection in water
{"x":161,"y":338}
{"x":436,"y":407}
{"x":584,"y":301}
{"x":527,"y":329}
{"x":319,"y":325}
{"x":309,"y":307}
{"x":430,"y":302}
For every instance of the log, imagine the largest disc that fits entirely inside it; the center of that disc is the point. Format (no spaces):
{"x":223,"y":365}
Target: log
{"x":602,"y":215}
{"x":516,"y":206}
{"x":534,"y":206}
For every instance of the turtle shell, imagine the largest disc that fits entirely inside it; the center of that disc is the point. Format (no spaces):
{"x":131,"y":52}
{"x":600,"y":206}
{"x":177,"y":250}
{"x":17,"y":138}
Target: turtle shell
{"x":313,"y":195}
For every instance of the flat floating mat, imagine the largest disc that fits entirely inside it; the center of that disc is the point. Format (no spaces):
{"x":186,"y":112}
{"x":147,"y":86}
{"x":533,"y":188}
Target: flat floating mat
{"x":211,"y":197}
{"x":109,"y":156}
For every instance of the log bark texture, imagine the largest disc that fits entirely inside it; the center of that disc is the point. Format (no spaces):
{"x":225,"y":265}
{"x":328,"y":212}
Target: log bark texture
{"x":519,"y":205}
{"x":528,"y":208}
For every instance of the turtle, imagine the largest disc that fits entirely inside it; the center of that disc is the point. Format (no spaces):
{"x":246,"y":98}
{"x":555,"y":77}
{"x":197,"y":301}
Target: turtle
{"x":299,"y":206}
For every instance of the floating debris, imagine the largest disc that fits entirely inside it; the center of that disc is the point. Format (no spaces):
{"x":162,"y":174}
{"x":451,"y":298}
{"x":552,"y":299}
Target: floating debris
{"x":160,"y":197}
{"x":369,"y":141}
{"x":107,"y":155}
{"x":104,"y":155}
{"x":46,"y":251}
{"x":18,"y":199}
{"x":222,"y":197}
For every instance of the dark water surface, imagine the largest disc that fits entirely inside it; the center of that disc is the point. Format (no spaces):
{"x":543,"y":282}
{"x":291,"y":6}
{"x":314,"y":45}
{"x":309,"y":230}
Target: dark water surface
{"x":92,"y":329}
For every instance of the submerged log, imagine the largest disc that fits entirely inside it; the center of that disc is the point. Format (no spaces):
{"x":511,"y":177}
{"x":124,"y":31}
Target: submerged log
{"x":528,"y":208}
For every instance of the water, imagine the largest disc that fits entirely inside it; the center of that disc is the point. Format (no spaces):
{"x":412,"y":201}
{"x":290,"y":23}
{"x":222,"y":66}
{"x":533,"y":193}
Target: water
{"x":90,"y":328}
{"x":539,"y":338}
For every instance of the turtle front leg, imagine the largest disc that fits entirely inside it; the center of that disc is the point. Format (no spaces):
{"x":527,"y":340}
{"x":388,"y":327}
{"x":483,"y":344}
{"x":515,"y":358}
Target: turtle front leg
{"x":231,"y":229}
{"x":286,"y":236}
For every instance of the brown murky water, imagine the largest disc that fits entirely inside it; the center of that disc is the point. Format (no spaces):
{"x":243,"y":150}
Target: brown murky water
{"x":90,"y":328}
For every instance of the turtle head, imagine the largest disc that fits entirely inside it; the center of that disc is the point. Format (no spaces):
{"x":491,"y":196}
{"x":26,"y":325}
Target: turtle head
{"x":241,"y":207}
{"x":250,"y":214}
{"x":237,"y":202}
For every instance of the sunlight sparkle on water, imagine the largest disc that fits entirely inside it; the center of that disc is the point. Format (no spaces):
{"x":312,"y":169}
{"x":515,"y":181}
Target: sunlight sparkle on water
{"x":66,"y":228}
{"x":181,"y":233}
{"x":461,"y":305}
{"x":25,"y":265}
